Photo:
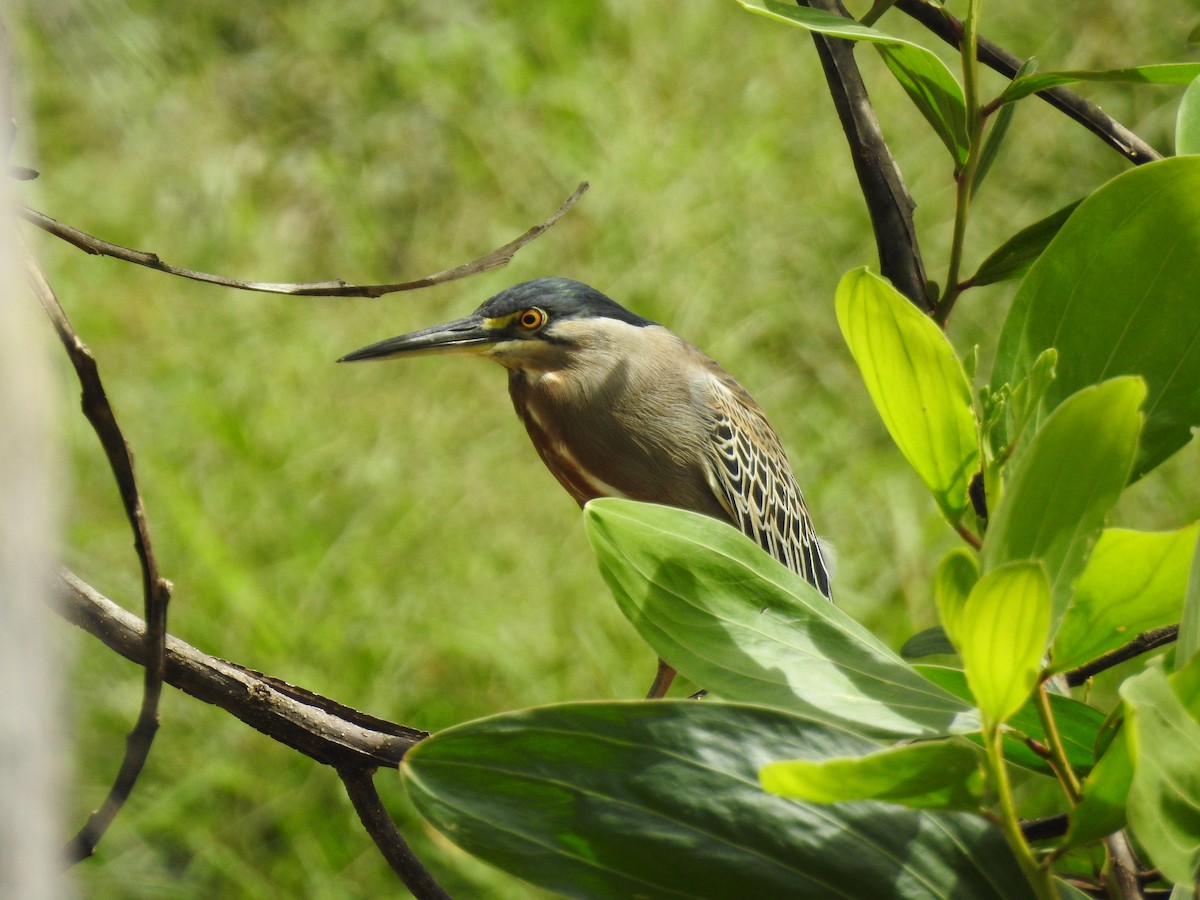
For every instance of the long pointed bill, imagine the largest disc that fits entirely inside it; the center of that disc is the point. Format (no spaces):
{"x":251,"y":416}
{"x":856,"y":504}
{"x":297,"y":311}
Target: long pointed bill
{"x":469,"y":335}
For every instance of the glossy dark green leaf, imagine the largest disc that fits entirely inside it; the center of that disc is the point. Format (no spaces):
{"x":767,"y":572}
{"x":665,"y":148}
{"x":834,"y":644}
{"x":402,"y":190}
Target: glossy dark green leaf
{"x":1133,"y":581}
{"x":732,"y":619}
{"x":1169,"y":73}
{"x":1064,"y":485}
{"x":662,"y":799}
{"x":930,"y":642}
{"x":917,"y":383}
{"x":922,"y":75}
{"x":1164,"y":800}
{"x":1187,"y":122}
{"x":1078,"y":724}
{"x":941,"y":774}
{"x":1013,"y":258}
{"x":1115,"y":293}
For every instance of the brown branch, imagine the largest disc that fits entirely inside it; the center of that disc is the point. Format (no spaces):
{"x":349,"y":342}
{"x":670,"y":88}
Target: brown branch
{"x":1143,"y":643}
{"x":995,"y":57}
{"x":501,"y":256}
{"x":360,"y":787}
{"x":156,"y":590}
{"x":320,"y":728}
{"x":888,"y":201}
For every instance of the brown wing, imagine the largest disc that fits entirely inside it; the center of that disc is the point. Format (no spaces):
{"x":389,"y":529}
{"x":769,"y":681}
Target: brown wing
{"x":749,"y":472}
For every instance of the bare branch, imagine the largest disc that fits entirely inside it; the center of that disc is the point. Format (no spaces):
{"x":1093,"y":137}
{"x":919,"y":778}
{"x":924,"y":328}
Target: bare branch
{"x":320,"y":728}
{"x":499,"y":257}
{"x":995,"y":57}
{"x":888,"y":201}
{"x":156,"y":590}
{"x":360,"y":787}
{"x":1143,"y":643}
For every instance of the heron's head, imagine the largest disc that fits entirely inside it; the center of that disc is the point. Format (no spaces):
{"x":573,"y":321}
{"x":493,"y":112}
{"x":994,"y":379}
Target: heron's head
{"x":535,"y":324}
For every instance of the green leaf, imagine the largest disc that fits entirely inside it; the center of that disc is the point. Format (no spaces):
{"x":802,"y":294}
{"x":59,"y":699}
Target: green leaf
{"x":1002,"y":636}
{"x":956,"y":575}
{"x":1133,"y":581}
{"x":1164,"y":801}
{"x":930,"y":642}
{"x":941,"y":774}
{"x":1105,"y":791}
{"x":1187,"y":645}
{"x":922,"y":75}
{"x":1078,"y":724}
{"x":1170,"y":73}
{"x":998,"y":131}
{"x":1115,"y":294}
{"x":729,"y":617}
{"x":1062,"y":487}
{"x":916,"y":382}
{"x":1187,"y":122}
{"x":662,"y":799}
{"x":1013,"y":258}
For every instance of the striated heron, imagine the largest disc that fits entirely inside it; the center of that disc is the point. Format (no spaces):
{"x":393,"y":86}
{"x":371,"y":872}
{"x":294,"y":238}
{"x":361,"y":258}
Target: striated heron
{"x":619,"y":406}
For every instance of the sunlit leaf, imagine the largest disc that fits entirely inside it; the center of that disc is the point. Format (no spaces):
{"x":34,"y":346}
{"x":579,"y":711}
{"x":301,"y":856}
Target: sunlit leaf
{"x":732,"y":619}
{"x":942,"y":774}
{"x":1164,"y":800}
{"x":956,"y":576}
{"x":1170,"y":73}
{"x":916,"y":382}
{"x":1115,"y":294}
{"x":1187,"y":646}
{"x":1002,"y":635}
{"x":1133,"y":581}
{"x":922,"y":74}
{"x":1062,"y":487}
{"x":662,"y":799}
{"x":1187,"y":122}
{"x":1013,"y":258}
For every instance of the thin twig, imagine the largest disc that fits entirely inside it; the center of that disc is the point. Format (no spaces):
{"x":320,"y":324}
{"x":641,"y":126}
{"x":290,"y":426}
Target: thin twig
{"x":995,"y":57}
{"x":360,"y":787}
{"x":320,"y":728}
{"x":501,"y":256}
{"x":1143,"y":643}
{"x":888,"y":201}
{"x":156,"y":590}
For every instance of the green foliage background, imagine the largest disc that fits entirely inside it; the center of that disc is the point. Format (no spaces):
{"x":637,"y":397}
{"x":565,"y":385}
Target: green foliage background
{"x":383,"y":533}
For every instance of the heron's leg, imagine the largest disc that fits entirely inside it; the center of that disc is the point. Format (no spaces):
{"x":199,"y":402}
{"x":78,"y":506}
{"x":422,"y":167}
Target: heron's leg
{"x":662,"y":681}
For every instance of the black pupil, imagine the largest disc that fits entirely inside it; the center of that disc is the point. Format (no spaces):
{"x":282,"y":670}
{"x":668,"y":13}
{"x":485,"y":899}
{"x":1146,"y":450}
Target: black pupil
{"x":530,"y":319}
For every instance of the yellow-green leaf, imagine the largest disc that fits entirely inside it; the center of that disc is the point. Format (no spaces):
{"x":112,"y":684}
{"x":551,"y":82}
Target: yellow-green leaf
{"x":925,"y":775}
{"x":1002,"y":636}
{"x":956,"y":576}
{"x":916,"y":382}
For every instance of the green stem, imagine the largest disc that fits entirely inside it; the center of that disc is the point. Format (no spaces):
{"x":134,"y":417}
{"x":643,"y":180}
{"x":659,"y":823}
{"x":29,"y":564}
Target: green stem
{"x":965,"y":176}
{"x":1039,"y":877}
{"x":1058,"y":751}
{"x":878,"y":8}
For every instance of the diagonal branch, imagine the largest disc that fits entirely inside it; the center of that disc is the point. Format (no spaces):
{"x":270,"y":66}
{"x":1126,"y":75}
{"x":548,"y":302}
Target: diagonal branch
{"x":1143,"y":643}
{"x":992,"y":55}
{"x":320,"y":728}
{"x":499,"y":257}
{"x":888,"y":201}
{"x":156,"y":590}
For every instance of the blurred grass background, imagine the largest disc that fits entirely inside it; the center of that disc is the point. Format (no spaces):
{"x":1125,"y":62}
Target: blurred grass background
{"x":384,"y":534}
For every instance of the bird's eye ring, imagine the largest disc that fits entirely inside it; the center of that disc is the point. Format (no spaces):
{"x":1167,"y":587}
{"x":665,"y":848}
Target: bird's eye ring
{"x":532,"y":318}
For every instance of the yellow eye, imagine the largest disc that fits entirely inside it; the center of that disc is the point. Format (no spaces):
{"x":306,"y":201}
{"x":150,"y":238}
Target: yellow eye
{"x":532,"y":319}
